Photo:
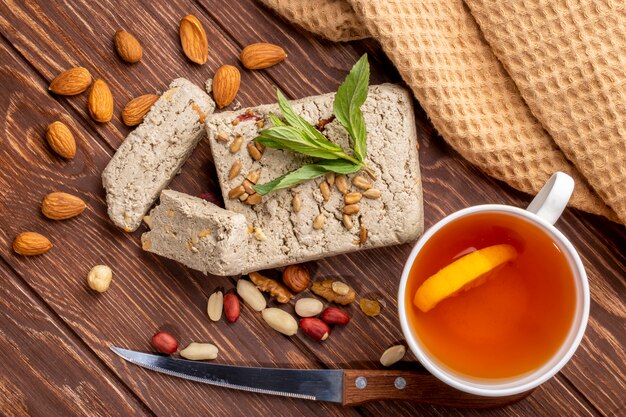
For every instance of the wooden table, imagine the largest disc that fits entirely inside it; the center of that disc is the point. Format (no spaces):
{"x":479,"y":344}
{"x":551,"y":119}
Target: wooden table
{"x":55,"y":333}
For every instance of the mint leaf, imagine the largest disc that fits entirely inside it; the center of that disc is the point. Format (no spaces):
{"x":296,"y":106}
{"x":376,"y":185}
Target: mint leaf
{"x":295,"y":134}
{"x":276,"y":120}
{"x":292,"y":139}
{"x":350,"y":96}
{"x":305,"y":173}
{"x":298,"y":122}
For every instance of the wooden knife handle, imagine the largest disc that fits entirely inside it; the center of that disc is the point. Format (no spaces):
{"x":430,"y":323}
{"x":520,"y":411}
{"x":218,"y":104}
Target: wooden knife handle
{"x":361,"y":386}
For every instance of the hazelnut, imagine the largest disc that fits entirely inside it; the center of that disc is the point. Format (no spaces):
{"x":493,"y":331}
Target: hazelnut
{"x":99,"y":278}
{"x":296,"y":277}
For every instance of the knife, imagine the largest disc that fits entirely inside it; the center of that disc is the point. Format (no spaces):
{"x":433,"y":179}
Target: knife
{"x":343,"y":386}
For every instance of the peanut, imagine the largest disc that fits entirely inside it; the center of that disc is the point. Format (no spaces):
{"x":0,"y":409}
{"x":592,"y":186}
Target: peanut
{"x":199,"y":351}
{"x":164,"y":342}
{"x":315,"y":328}
{"x":251,"y":295}
{"x":232,"y":306}
{"x":280,"y":320}
{"x":308,"y":307}
{"x":215,"y":306}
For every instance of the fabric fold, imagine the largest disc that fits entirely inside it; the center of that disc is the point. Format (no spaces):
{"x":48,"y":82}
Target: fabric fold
{"x":486,"y":110}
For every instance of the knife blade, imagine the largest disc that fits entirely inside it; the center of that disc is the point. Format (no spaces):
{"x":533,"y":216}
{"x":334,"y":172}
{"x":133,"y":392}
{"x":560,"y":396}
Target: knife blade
{"x":308,"y":384}
{"x":344,"y":386}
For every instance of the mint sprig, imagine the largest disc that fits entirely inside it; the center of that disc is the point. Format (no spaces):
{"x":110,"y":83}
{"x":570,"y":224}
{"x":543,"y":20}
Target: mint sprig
{"x":307,"y":172}
{"x":295,"y":134}
{"x":347,"y":107}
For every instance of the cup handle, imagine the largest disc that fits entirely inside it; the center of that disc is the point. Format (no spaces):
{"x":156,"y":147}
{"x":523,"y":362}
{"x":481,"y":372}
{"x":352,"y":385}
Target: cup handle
{"x":553,"y":197}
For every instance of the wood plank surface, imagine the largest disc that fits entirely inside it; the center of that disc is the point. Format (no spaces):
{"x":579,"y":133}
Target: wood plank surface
{"x":33,"y":345}
{"x":148,"y":292}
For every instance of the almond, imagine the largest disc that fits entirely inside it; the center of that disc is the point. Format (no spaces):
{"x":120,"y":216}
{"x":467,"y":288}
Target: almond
{"x":70,"y":82}
{"x":136,"y":109}
{"x":225,"y":85}
{"x":127,"y":46}
{"x":61,"y":206}
{"x":61,"y":140}
{"x":31,"y":243}
{"x":193,"y":39}
{"x":100,"y":102}
{"x":262,"y":55}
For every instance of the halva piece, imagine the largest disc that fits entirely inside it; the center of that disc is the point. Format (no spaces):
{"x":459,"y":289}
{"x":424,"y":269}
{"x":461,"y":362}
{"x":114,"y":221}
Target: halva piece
{"x":318,"y":218}
{"x":154,"y":152}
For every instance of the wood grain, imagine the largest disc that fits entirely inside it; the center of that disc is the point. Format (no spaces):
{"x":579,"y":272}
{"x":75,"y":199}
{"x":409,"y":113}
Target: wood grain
{"x":148,"y":292}
{"x":33,"y":345}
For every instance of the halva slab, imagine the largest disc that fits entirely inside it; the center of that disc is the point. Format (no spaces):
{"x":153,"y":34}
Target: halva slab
{"x":307,"y":221}
{"x":154,"y":152}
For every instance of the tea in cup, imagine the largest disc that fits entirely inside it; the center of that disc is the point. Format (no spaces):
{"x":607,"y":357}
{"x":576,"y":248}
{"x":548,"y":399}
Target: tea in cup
{"x":494,"y":300}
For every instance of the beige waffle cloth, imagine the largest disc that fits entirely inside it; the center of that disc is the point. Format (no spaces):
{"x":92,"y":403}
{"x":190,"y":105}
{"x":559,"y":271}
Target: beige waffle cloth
{"x":521,"y":88}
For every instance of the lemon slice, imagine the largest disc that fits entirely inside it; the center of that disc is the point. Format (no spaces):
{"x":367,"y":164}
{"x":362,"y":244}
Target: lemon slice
{"x":467,"y":272}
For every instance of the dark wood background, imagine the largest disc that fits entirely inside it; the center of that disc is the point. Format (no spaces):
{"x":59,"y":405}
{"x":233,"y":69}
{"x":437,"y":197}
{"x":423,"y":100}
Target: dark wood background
{"x":55,"y":333}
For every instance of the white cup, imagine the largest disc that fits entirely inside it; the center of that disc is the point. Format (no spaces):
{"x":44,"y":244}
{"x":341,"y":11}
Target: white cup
{"x":543,"y":212}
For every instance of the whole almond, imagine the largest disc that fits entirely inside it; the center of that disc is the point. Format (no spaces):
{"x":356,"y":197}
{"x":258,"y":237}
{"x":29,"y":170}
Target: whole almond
{"x":100,"y":102}
{"x":262,"y":55}
{"x":136,"y":109}
{"x":61,"y":206}
{"x":127,"y":46}
{"x":61,"y":140}
{"x":193,"y":39}
{"x":225,"y":85}
{"x":70,"y":82}
{"x":31,"y":243}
